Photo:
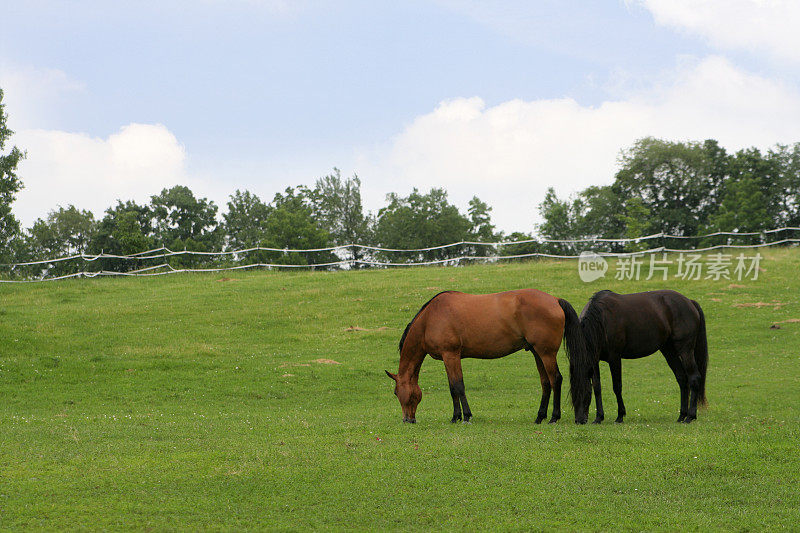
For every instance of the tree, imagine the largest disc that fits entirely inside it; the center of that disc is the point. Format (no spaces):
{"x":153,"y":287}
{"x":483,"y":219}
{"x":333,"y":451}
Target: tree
{"x":560,"y":222}
{"x":337,"y":205}
{"x":421,"y":221}
{"x":786,"y":184}
{"x":481,"y":227}
{"x":10,"y":184}
{"x":679,"y":184}
{"x":522,"y":248}
{"x":291,"y":223}
{"x":125,"y":229}
{"x":744,"y":208}
{"x":599,"y":213}
{"x":634,"y":219}
{"x":183,"y":221}
{"x":64,"y":232}
{"x":246,"y":220}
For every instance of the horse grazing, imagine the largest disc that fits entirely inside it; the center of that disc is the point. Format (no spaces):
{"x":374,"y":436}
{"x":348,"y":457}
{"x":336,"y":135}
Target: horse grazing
{"x":453,"y":325}
{"x":630,"y":326}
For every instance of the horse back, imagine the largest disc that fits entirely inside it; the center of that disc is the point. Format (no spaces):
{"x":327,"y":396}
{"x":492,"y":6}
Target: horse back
{"x":640,"y":324}
{"x":492,"y":325}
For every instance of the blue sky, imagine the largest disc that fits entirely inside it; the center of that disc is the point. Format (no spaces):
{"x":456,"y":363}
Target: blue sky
{"x":499,"y":99}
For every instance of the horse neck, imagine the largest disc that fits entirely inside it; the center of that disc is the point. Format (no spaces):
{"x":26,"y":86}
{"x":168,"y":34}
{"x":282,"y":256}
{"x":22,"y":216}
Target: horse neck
{"x":411,"y":357}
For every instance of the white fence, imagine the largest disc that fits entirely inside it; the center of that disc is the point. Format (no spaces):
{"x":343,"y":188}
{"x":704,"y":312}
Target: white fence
{"x":367,"y":255}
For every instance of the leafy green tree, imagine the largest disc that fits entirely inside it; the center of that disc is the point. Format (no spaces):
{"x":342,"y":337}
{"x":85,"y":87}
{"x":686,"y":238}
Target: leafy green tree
{"x":561,"y":222}
{"x":10,"y":184}
{"x":183,"y":221}
{"x":245,"y":221}
{"x":786,"y":184}
{"x":635,"y":221}
{"x":598,"y":213}
{"x":125,"y":229}
{"x":744,"y":208}
{"x":679,"y":184}
{"x":522,"y":248}
{"x":337,"y":205}
{"x":421,"y":221}
{"x":481,"y":227}
{"x":291,"y":224}
{"x":64,"y":232}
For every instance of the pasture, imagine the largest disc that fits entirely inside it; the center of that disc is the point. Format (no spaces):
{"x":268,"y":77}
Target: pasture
{"x":258,"y":400}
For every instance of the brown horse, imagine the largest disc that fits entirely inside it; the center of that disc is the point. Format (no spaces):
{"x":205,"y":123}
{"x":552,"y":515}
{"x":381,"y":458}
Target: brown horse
{"x":453,"y":325}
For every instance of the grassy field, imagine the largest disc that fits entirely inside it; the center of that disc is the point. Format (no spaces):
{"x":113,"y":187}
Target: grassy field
{"x":201,"y":402}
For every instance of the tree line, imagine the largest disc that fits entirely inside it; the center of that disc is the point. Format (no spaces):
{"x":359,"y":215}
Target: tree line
{"x":680,"y":188}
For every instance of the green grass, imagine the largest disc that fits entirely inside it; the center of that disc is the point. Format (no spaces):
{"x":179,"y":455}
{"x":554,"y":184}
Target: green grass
{"x":185,"y":402}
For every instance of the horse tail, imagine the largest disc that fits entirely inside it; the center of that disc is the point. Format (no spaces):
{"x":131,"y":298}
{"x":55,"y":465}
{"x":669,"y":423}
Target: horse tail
{"x":701,"y":354}
{"x":580,"y":360}
{"x":408,"y":327}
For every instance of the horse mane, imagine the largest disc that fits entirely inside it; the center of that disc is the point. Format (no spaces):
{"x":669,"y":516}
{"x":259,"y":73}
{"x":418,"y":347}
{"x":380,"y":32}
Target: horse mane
{"x":594,"y":330}
{"x":408,"y":327}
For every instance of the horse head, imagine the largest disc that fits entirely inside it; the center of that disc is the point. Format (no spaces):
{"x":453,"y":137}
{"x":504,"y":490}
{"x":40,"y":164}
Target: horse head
{"x":409,"y":394}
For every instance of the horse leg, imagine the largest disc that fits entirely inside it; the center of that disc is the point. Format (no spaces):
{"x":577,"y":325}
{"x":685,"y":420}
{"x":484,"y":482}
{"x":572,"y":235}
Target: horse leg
{"x":615,"y":364}
{"x":452,"y":363}
{"x":598,"y":397}
{"x":545,"y":389}
{"x":675,"y":364}
{"x":693,"y":378}
{"x":554,"y":375}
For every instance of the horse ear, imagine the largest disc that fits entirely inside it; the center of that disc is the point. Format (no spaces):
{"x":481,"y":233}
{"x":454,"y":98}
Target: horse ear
{"x":393,"y":376}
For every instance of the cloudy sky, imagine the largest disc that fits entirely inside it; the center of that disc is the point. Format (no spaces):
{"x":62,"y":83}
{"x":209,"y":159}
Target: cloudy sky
{"x":499,"y":99}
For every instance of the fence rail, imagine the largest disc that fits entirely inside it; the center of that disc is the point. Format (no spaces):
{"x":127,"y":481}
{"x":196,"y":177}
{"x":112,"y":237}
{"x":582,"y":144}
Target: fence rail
{"x":375,"y":256}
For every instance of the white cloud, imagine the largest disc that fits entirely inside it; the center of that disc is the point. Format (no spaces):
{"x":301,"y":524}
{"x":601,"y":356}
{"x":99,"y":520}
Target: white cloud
{"x":32,"y":95}
{"x":64,"y":168}
{"x":510,"y":153}
{"x":765,"y":25}
{"x":92,"y":173}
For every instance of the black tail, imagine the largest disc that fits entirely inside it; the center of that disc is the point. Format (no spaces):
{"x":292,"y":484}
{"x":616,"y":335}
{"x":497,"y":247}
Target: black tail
{"x":580,"y":360}
{"x":701,"y":354}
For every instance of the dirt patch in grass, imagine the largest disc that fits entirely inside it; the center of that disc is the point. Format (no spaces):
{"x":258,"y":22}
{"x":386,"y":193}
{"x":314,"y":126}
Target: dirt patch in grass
{"x":226,"y":279}
{"x":735,"y":286}
{"x":326,"y":362}
{"x":284,"y":365}
{"x":759,"y":305}
{"x":776,"y":325}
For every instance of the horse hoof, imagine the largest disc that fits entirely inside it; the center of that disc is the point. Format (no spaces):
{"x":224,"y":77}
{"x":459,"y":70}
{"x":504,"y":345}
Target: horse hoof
{"x":681,"y":418}
{"x":582,"y":421}
{"x":553,"y":420}
{"x":539,"y":420}
{"x":618,"y":420}
{"x":688,"y":420}
{"x":598,"y":421}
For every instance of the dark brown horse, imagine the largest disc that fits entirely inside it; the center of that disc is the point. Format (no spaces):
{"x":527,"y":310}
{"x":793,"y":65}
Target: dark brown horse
{"x":453,"y":325}
{"x":630,"y":326}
